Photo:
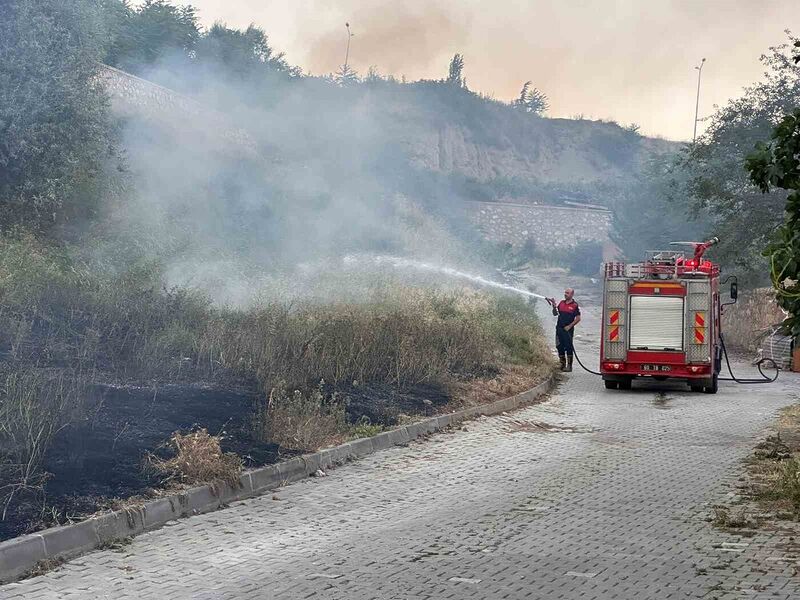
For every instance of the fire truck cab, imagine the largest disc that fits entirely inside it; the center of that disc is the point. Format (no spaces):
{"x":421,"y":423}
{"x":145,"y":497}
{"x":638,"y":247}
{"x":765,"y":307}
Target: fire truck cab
{"x":661,"y":319}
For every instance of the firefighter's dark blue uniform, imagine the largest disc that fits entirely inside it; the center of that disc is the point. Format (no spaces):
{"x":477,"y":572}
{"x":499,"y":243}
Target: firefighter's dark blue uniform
{"x":566,"y":313}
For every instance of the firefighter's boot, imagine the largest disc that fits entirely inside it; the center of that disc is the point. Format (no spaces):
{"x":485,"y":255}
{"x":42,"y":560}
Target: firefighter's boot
{"x":569,"y":364}
{"x":563,"y":361}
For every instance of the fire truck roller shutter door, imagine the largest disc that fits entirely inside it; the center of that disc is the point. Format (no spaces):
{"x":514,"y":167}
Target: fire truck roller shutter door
{"x":656,"y":323}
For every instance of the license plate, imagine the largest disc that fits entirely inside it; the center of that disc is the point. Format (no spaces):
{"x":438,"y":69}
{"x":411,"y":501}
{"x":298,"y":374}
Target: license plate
{"x":656,"y":368}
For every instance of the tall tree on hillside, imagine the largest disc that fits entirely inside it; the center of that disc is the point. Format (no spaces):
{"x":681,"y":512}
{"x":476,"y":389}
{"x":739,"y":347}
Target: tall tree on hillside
{"x":53,"y":128}
{"x":346,"y":76}
{"x":142,"y":36}
{"x":455,"y":73}
{"x":532,"y":100}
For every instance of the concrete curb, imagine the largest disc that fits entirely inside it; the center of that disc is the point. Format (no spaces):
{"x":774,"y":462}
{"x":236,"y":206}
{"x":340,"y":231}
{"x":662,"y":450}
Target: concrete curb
{"x":20,"y":555}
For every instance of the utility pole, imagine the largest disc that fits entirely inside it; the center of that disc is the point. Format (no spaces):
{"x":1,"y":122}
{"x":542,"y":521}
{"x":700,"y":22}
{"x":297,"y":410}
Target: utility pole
{"x":347,"y":54}
{"x":697,"y":102}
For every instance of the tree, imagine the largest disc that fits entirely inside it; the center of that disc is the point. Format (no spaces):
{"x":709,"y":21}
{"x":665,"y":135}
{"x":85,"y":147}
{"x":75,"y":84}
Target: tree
{"x":346,"y":76}
{"x":711,"y":173}
{"x":141,"y":37}
{"x":532,"y":100}
{"x":455,"y":74}
{"x":777,"y":164}
{"x":54,"y":131}
{"x":243,"y":53}
{"x":374,"y":76}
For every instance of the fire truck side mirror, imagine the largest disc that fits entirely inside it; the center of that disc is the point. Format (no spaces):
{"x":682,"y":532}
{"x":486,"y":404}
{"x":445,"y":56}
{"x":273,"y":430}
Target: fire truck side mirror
{"x":734,"y":290}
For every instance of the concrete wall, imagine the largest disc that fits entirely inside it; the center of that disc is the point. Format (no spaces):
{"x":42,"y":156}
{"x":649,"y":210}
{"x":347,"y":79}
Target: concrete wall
{"x":550,"y":227}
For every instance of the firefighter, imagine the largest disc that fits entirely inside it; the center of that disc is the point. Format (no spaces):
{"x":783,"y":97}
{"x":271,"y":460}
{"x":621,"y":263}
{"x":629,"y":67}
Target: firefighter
{"x":569,"y":315}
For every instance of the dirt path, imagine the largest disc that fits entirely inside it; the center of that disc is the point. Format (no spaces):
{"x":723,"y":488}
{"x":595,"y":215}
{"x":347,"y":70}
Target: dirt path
{"x":593,"y":494}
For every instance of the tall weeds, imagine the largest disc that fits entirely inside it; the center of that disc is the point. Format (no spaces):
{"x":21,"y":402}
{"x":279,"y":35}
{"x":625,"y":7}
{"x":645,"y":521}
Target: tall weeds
{"x":402,"y":343}
{"x":298,"y":420}
{"x":34,"y":405}
{"x":64,"y":327}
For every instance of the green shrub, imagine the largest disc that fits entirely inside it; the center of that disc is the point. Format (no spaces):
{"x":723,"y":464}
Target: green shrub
{"x":364,"y":428}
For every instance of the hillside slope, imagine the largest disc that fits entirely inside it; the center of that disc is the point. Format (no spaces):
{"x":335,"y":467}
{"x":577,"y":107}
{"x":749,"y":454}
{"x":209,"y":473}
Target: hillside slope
{"x":453,"y":131}
{"x":490,"y":149}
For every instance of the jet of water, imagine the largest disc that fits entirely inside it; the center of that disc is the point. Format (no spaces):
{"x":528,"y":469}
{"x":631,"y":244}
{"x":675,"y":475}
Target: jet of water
{"x":407,"y":263}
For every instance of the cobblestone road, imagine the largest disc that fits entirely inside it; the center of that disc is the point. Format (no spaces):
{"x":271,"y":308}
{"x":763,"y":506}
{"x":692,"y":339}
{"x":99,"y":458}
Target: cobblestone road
{"x":594,"y":494}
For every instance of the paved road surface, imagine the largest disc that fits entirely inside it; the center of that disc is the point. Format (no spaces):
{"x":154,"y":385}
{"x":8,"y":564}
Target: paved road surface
{"x":594,"y":494}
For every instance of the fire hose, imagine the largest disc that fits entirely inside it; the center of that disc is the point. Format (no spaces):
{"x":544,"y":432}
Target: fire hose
{"x":764,"y":377}
{"x":763,"y":361}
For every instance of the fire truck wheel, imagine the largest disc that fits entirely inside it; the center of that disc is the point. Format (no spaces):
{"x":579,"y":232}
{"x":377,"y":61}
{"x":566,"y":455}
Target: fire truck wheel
{"x":712,"y":389}
{"x":611,"y":385}
{"x":625,"y":384}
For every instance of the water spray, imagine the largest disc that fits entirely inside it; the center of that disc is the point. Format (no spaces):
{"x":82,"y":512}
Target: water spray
{"x":407,"y":263}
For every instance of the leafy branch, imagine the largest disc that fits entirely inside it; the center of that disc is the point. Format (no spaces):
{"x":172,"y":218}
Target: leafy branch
{"x":777,"y":165}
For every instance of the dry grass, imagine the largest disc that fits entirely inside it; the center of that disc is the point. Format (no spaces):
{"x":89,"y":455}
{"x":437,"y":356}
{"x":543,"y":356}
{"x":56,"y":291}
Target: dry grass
{"x":725,"y":517}
{"x":198,"y":459}
{"x":776,"y":484}
{"x":774,"y":471}
{"x":34,"y":405}
{"x":64,"y":326}
{"x":511,"y":380}
{"x":299,"y":421}
{"x":408,"y":340}
{"x":789,"y":420}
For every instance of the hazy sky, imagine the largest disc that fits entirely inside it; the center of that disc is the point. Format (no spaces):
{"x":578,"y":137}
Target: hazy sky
{"x":631,"y":60}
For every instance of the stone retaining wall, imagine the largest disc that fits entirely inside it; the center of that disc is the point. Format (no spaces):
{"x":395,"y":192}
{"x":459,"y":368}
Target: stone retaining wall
{"x":550,"y":227}
{"x":134,"y":96}
{"x":746,"y":323}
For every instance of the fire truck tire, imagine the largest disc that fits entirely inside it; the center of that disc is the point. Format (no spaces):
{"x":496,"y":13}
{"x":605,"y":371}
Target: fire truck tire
{"x":611,"y":385}
{"x":625,"y":384}
{"x":712,"y":389}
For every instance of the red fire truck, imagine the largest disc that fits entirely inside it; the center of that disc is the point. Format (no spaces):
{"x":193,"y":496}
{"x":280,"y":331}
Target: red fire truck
{"x":661,"y":319}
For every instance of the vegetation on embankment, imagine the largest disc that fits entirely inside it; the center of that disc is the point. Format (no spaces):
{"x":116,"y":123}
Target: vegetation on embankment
{"x":775,"y":468}
{"x":68,"y":332}
{"x":133,"y":250}
{"x":770,"y":486}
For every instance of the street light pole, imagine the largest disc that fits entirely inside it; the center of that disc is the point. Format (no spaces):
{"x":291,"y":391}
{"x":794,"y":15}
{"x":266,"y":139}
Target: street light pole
{"x":697,"y":102}
{"x":347,"y":54}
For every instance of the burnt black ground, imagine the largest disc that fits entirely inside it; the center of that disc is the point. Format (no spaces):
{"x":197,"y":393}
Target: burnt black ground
{"x":99,"y":459}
